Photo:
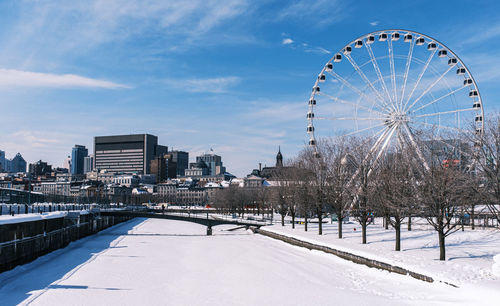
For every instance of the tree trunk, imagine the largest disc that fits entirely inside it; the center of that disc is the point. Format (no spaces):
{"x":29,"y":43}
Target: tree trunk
{"x":320,"y":223}
{"x":386,"y":222}
{"x":305,"y":223}
{"x":282,"y":220}
{"x":442,"y":251}
{"x":397,"y":227}
{"x":472,"y":214}
{"x":339,"y":226}
{"x":293,"y":220}
{"x":363,"y":229}
{"x":409,"y":223}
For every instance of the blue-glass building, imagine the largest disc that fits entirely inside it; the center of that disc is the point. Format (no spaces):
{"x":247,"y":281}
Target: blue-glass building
{"x":77,"y":156}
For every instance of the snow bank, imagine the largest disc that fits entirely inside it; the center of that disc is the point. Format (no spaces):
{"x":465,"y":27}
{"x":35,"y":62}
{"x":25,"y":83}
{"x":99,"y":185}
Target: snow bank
{"x":496,"y":265}
{"x":7,"y":219}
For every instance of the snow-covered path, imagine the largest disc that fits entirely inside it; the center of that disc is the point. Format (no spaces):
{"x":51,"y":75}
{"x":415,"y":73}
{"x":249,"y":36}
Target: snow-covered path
{"x":165,"y":262}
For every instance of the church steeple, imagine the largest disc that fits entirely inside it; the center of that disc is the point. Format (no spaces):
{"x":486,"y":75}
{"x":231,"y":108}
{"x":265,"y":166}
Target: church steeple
{"x":279,"y":158}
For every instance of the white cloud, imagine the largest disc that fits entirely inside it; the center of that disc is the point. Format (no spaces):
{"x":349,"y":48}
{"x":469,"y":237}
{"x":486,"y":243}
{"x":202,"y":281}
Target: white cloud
{"x":287,"y":41}
{"x":374,"y":23}
{"x":19,"y":78}
{"x":78,"y":26}
{"x":210,"y":85}
{"x":323,"y":11}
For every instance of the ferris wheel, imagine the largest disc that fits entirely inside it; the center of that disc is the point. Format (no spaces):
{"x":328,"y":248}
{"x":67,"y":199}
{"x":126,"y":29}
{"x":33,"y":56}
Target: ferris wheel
{"x":391,"y":85}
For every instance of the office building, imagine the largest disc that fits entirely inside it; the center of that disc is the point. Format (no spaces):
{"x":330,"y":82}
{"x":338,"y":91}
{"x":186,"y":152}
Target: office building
{"x":78,"y":153}
{"x":213,"y":162}
{"x":18,"y":164}
{"x":181,"y":159}
{"x":40,"y":168}
{"x":126,"y":153}
{"x":163,"y":167}
{"x":88,"y":163}
{"x":3,"y":168}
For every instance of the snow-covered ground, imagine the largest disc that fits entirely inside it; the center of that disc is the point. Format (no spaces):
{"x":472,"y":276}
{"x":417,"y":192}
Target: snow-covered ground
{"x":166,"y":262}
{"x":470,"y":254}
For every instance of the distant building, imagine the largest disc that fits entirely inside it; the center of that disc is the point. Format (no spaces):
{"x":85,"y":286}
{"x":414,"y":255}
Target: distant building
{"x":40,"y":168}
{"x":126,"y":153}
{"x":67,"y":163}
{"x":268,"y":172}
{"x":78,"y":153}
{"x":3,"y":168}
{"x":199,"y":168}
{"x":18,"y":164}
{"x":163,"y":167}
{"x":213,"y":162}
{"x":181,"y":159}
{"x":88,"y":163}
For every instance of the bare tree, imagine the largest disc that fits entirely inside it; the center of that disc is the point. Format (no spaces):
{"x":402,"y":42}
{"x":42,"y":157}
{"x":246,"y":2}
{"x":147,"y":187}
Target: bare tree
{"x":440,"y":193}
{"x":314,"y":164}
{"x":488,"y":159}
{"x":338,"y":199}
{"x":395,"y":185}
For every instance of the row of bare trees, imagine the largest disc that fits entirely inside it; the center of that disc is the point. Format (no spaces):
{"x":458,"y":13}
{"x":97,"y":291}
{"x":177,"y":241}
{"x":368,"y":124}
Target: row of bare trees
{"x":346,"y":177}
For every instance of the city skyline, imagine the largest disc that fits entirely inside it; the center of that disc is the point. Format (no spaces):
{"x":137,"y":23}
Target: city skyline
{"x":232,"y":76}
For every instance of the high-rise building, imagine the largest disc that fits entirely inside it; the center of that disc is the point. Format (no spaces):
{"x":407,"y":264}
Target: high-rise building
{"x":163,"y":167}
{"x":214,"y":163}
{"x":2,"y":161}
{"x":77,"y":155}
{"x":126,"y":153}
{"x":88,"y":163}
{"x":181,"y":159}
{"x":18,"y":164}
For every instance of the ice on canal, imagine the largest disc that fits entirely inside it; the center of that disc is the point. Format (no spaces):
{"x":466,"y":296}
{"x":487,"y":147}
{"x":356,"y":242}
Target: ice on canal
{"x":166,"y":262}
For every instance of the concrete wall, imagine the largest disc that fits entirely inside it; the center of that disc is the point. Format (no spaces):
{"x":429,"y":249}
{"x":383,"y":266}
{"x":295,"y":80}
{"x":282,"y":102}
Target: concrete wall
{"x":30,"y":247}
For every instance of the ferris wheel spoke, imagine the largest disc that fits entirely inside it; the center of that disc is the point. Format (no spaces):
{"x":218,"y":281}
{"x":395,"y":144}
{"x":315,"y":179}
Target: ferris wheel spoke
{"x":438,"y":126}
{"x":430,"y":87}
{"x":364,"y":129}
{"x":350,"y":118}
{"x":446,"y":112}
{"x":438,"y":99}
{"x":420,"y":76}
{"x":407,"y":69}
{"x":416,"y":147}
{"x":359,"y":92}
{"x":393,"y":74}
{"x":352,"y":103}
{"x":377,"y":70}
{"x":381,"y":136}
{"x":366,"y":80}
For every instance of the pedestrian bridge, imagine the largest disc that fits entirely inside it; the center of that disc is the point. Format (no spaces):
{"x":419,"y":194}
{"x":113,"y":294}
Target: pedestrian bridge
{"x":208,"y":220}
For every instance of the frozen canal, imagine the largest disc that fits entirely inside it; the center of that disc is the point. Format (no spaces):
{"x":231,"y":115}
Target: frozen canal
{"x":165,"y":262}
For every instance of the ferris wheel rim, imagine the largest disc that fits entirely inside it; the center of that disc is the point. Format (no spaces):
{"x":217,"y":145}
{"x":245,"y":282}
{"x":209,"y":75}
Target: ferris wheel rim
{"x":459,"y":63}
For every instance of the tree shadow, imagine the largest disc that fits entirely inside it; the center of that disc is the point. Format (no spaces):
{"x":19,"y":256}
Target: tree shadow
{"x":42,"y":274}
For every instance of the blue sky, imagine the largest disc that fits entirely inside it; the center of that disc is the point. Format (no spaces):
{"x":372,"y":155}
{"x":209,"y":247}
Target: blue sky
{"x":230,"y":75}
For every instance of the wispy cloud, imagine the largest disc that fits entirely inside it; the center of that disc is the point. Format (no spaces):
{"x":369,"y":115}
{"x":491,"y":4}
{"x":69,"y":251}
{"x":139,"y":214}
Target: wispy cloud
{"x":324,"y":12}
{"x":80,"y":26}
{"x":210,"y":85}
{"x":303,"y":46}
{"x":374,"y":23}
{"x":18,"y":78}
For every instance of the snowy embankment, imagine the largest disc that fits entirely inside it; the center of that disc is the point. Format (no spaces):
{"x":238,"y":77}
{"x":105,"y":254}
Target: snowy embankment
{"x":470,"y":254}
{"x":167,"y":262}
{"x":8,"y":219}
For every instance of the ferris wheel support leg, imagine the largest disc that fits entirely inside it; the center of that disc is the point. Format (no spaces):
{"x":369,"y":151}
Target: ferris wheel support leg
{"x":417,"y":148}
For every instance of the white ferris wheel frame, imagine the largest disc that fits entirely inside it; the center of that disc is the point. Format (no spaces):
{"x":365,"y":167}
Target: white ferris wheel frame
{"x":394,"y":111}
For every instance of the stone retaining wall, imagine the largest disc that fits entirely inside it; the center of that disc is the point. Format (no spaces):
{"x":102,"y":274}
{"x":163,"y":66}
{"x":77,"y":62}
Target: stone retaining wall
{"x":347,"y":256}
